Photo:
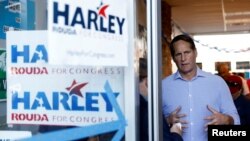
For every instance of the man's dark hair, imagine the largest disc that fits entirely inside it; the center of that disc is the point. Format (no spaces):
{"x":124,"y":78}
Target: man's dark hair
{"x":183,"y":37}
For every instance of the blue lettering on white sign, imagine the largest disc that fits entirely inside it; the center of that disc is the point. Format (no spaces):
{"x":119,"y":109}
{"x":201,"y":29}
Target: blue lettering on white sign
{"x":92,"y":21}
{"x":61,"y":98}
{"x":27,"y":56}
{"x":83,"y":132}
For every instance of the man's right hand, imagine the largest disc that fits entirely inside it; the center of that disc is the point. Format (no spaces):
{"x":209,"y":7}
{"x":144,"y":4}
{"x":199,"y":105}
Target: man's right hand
{"x":176,"y":117}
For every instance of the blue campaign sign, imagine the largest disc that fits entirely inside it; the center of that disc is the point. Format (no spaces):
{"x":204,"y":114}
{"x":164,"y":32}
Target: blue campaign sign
{"x":16,"y":15}
{"x":87,"y":131}
{"x":9,"y":17}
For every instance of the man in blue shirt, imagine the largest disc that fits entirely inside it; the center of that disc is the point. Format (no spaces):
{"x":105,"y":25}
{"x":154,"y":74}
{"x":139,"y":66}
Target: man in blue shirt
{"x":193,"y":97}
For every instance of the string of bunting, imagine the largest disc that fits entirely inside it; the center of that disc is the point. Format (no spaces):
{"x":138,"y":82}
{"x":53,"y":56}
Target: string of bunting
{"x":213,"y":47}
{"x":224,"y":49}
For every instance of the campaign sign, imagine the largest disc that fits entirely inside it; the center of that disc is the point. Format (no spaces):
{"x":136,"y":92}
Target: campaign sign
{"x":9,"y":17}
{"x":16,"y":15}
{"x":3,"y":83}
{"x":45,"y":94}
{"x":88,"y":32}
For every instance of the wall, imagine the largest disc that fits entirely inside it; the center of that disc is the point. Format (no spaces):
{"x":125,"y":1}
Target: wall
{"x":212,"y":49}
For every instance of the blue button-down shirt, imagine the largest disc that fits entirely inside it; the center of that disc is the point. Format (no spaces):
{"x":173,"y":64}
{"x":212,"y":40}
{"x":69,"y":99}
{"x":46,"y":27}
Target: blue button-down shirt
{"x":193,"y":96}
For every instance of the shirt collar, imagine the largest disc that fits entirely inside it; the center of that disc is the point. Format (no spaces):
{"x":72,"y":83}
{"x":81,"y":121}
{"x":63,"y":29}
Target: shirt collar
{"x":199,"y":73}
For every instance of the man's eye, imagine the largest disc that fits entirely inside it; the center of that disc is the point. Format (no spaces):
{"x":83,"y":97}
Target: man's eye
{"x":178,"y":54}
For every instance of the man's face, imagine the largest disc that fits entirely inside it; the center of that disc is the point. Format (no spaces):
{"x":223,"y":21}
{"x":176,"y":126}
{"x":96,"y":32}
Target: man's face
{"x":184,"y":57}
{"x":223,"y":69}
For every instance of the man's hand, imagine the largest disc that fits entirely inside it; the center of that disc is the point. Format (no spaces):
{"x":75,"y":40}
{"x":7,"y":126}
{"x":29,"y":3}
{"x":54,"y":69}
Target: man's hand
{"x":175,"y":117}
{"x":217,"y":118}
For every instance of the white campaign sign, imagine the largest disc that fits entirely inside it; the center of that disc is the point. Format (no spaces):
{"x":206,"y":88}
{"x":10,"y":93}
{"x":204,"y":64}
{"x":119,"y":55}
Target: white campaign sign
{"x":41,"y":93}
{"x":88,"y":32}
